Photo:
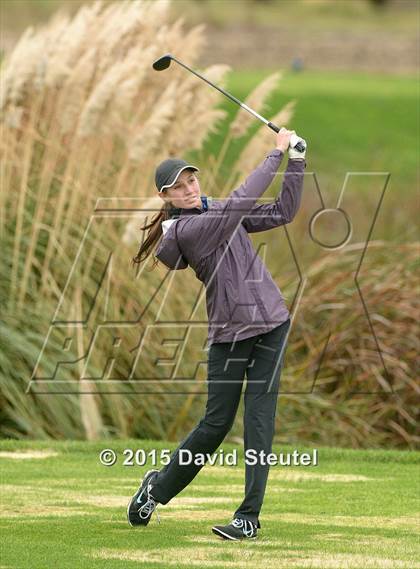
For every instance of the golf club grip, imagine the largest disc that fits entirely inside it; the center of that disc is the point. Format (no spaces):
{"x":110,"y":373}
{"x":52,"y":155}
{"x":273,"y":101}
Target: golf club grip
{"x":299,"y":146}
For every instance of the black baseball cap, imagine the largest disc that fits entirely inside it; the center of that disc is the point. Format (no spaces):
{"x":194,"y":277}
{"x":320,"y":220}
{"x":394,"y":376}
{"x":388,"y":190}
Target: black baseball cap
{"x":168,"y":171}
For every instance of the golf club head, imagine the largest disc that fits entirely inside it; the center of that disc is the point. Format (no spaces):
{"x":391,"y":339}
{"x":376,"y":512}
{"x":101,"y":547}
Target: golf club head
{"x":163,"y":62}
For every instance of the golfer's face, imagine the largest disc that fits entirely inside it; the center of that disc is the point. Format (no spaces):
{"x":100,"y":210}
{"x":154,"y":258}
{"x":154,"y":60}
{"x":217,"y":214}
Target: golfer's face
{"x":186,"y":192}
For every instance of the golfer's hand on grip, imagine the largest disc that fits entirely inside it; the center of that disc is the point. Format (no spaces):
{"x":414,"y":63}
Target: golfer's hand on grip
{"x":286,"y":140}
{"x":283,"y":139}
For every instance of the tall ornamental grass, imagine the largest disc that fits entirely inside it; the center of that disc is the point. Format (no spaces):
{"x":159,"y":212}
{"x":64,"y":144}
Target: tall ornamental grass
{"x":84,"y":116}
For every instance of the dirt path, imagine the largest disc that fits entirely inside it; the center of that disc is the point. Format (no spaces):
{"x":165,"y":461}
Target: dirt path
{"x":246,"y":46}
{"x":250,"y":47}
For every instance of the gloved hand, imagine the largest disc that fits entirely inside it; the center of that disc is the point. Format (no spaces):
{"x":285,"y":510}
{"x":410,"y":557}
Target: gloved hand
{"x":294,"y":154}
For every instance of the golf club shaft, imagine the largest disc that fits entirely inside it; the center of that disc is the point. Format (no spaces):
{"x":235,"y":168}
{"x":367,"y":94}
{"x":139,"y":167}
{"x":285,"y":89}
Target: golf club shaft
{"x":300,"y":147}
{"x":234,"y":99}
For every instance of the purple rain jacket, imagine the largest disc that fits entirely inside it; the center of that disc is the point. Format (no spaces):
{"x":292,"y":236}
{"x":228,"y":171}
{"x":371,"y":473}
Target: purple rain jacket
{"x":242,"y":299}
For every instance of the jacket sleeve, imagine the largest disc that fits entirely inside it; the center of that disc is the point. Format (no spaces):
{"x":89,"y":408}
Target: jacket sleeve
{"x":285,"y":207}
{"x":200,"y":235}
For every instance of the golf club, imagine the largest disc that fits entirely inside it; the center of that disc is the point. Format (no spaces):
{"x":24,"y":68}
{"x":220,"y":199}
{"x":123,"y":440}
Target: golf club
{"x":165,"y":61}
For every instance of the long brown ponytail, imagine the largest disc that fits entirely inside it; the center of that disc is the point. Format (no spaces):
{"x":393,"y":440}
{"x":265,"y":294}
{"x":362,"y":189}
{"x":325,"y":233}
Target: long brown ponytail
{"x":155,"y":232}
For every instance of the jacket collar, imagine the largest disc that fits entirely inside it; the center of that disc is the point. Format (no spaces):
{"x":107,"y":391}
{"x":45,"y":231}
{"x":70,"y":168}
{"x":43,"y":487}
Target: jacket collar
{"x":175,"y":212}
{"x":191,"y":211}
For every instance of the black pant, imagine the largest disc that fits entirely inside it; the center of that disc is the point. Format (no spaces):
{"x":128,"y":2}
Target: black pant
{"x":261,"y":358}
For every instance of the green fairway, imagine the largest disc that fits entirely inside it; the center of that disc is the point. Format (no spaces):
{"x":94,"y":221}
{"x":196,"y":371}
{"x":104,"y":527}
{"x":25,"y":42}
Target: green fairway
{"x":62,"y":508}
{"x":353,"y":123}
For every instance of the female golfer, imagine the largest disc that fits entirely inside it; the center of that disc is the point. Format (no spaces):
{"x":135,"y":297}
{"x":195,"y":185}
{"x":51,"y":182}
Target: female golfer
{"x":248,"y":320}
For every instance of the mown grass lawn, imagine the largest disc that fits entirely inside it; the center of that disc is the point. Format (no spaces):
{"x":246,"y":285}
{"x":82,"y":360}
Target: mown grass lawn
{"x":356,"y":509}
{"x":353,"y":123}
